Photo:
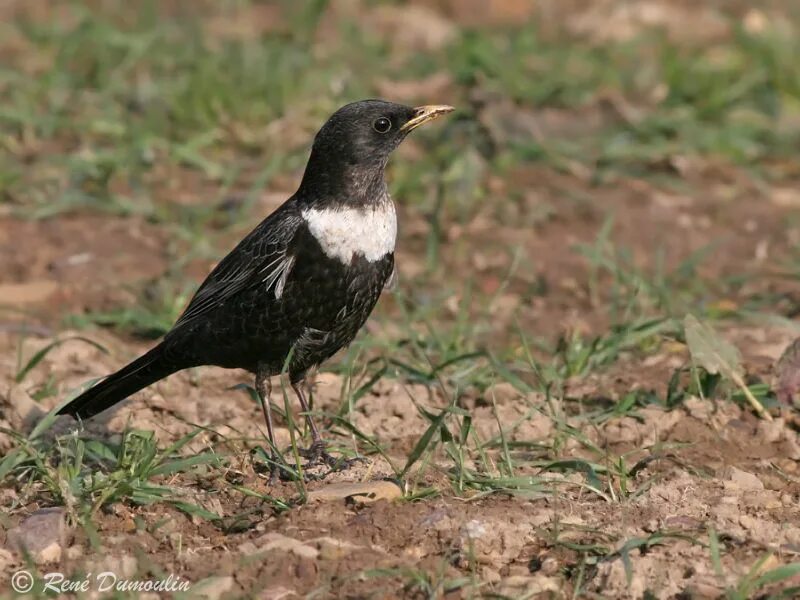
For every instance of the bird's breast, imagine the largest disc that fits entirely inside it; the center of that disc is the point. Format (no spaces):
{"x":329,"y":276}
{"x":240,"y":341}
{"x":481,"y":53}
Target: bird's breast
{"x":344,"y":232}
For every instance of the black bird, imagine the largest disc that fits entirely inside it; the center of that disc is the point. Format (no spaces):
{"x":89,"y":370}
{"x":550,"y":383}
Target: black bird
{"x":303,"y":282}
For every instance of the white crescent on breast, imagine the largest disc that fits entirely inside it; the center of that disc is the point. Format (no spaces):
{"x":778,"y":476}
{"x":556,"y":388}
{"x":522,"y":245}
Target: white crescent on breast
{"x":343,"y":232}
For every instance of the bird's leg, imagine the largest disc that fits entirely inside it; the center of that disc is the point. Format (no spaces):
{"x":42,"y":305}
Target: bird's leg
{"x":264,"y":390}
{"x":317,"y":453}
{"x":316,"y":438}
{"x":317,"y":450}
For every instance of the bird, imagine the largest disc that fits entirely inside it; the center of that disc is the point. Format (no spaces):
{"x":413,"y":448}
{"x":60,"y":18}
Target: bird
{"x":299,"y":286}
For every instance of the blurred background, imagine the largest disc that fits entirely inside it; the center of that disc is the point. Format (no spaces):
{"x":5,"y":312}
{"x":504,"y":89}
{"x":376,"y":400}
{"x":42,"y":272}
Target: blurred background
{"x":612,"y":166}
{"x":610,"y":160}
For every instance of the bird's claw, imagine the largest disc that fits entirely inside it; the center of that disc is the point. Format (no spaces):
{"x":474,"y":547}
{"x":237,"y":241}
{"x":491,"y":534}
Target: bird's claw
{"x":317,"y":455}
{"x":343,"y":464}
{"x":273,"y":466}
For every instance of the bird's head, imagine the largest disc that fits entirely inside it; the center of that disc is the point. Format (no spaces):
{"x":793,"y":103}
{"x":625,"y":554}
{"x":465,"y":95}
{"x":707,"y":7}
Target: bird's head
{"x":354,"y":145}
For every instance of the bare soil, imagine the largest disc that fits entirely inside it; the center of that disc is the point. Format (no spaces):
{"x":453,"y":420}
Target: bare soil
{"x":708,"y":465}
{"x":702,"y":466}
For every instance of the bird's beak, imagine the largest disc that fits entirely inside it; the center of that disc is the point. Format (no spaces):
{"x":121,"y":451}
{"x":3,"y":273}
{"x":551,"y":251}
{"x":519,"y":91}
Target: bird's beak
{"x":423,"y":114}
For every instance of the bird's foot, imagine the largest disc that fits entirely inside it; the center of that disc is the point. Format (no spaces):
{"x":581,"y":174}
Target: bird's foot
{"x":274,"y":465}
{"x":343,"y":464}
{"x":318,"y":455}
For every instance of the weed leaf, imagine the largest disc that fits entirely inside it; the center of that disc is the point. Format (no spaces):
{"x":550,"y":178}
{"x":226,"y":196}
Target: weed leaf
{"x":424,"y":441}
{"x":787,"y":374}
{"x":778,"y":574}
{"x":37,"y":358}
{"x":716,"y":355}
{"x":709,"y":350}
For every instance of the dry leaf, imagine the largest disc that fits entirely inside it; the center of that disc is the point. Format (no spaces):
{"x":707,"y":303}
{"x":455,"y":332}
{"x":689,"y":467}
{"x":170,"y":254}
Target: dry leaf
{"x":370,"y":491}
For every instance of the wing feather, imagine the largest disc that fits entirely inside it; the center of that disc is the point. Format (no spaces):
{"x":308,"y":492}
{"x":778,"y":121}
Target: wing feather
{"x":260,"y":258}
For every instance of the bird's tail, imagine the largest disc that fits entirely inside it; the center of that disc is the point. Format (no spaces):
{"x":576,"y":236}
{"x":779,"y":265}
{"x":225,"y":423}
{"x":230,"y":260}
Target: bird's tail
{"x":128,"y":380}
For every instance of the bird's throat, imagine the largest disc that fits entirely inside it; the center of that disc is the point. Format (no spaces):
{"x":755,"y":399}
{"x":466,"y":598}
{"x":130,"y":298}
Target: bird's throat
{"x":336,"y":179}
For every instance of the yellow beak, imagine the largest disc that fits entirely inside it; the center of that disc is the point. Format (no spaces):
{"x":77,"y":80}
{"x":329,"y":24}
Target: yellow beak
{"x":423,"y":114}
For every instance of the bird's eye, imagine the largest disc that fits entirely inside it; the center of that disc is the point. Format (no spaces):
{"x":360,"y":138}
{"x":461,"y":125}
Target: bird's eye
{"x":382,"y":125}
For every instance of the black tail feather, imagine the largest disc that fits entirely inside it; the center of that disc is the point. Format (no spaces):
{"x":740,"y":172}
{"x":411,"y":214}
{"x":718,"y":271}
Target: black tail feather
{"x":128,"y":380}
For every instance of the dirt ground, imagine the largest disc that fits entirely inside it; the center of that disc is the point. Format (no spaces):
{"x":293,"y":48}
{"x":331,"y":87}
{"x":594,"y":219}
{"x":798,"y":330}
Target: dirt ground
{"x":690,"y":469}
{"x":702,"y":465}
{"x":682,"y":502}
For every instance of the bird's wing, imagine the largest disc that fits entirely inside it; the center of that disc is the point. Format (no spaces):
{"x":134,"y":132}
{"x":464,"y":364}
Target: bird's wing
{"x":391,"y":281}
{"x":261,"y":258}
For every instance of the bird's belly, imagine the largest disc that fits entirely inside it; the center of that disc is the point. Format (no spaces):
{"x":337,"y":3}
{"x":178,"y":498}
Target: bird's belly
{"x":325,"y":304}
{"x":322,"y":307}
{"x":334,"y":297}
